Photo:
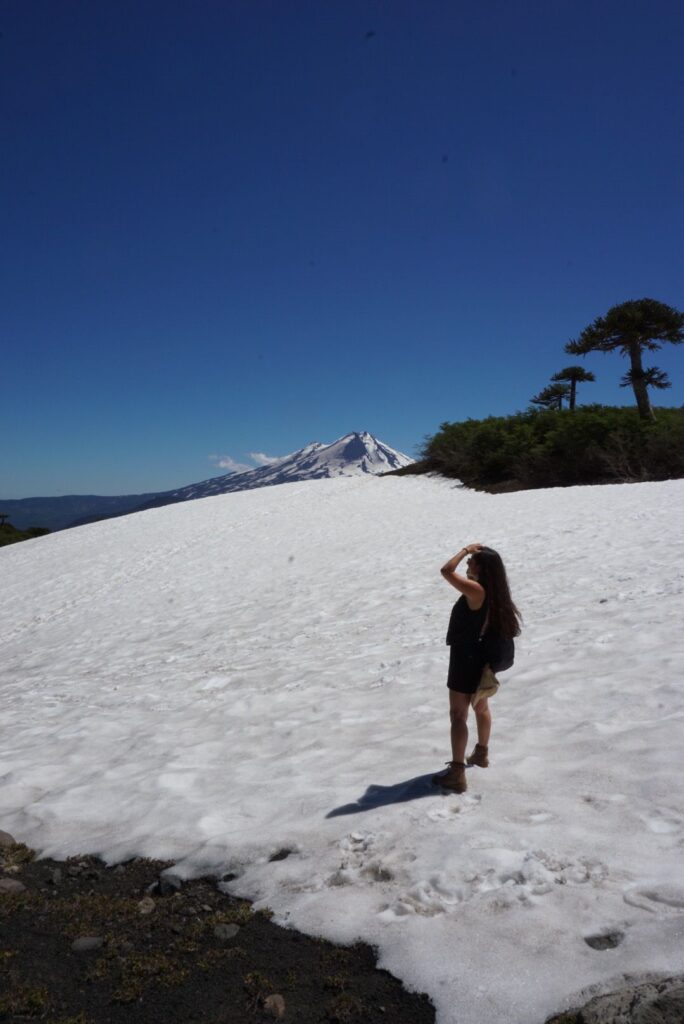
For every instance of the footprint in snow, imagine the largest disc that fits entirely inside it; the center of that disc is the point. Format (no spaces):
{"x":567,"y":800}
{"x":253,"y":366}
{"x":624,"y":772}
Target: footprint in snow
{"x":281,"y":854}
{"x":593,"y":801}
{"x":498,"y":889}
{"x":442,"y":813}
{"x":470,"y":802}
{"x":662,"y":822}
{"x":605,"y":940}
{"x":658,"y":899}
{"x":537,"y":816}
{"x":360,"y":862}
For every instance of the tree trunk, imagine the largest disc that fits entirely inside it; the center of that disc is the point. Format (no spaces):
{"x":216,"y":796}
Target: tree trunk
{"x":638,"y":384}
{"x":573,"y":389}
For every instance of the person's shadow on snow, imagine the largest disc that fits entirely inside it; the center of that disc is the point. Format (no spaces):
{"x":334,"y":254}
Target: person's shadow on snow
{"x":399,"y":793}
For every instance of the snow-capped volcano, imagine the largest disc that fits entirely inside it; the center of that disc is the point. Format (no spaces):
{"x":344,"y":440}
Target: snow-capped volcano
{"x":351,"y":455}
{"x":355,"y":454}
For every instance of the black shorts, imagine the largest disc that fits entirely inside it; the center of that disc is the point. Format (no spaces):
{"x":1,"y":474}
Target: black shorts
{"x":465,"y":668}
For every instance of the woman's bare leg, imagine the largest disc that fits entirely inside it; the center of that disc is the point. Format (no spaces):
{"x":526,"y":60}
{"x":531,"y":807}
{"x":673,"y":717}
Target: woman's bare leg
{"x":458,"y":713}
{"x":483,"y":717}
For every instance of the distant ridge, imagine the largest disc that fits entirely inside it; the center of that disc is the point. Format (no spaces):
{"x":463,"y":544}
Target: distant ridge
{"x":59,"y":513}
{"x":355,"y":454}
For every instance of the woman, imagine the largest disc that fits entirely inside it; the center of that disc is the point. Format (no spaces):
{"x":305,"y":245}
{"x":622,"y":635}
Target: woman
{"x":482,"y":617}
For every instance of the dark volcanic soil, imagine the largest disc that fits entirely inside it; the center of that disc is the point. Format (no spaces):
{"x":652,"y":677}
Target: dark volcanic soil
{"x":194,"y":954}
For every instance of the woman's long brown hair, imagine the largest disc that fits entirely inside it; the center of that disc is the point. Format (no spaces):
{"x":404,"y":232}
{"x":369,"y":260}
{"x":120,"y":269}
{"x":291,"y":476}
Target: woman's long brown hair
{"x":503,"y":617}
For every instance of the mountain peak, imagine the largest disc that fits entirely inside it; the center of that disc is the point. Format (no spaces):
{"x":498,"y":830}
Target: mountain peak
{"x":357,"y":453}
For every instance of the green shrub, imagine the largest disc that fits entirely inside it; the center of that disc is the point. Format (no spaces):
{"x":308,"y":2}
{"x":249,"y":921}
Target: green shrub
{"x":10,"y":535}
{"x":548,"y":448}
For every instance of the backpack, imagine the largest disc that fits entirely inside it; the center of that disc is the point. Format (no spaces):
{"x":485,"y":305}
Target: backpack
{"x":498,"y":653}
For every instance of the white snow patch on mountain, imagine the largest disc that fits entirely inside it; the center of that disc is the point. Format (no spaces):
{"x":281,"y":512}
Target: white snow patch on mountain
{"x":213,"y":681}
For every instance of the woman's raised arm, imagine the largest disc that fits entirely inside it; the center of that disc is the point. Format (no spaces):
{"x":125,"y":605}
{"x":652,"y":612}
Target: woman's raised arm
{"x":474,"y":593}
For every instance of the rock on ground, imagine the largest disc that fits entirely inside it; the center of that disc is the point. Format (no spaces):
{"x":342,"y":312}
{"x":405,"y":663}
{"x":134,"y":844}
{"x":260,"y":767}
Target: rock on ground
{"x":651,"y":1002}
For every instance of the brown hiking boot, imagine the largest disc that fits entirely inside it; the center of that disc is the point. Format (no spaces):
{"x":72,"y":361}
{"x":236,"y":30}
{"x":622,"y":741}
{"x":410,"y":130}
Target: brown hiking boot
{"x":479,"y":756}
{"x":453,"y":778}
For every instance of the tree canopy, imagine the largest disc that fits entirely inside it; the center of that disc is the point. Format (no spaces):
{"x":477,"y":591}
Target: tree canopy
{"x":574,"y":375}
{"x":632,"y":328}
{"x":551,"y":397}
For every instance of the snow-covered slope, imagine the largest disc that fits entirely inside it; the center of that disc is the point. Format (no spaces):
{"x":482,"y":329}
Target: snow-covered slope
{"x":214,"y":681}
{"x":355,"y":454}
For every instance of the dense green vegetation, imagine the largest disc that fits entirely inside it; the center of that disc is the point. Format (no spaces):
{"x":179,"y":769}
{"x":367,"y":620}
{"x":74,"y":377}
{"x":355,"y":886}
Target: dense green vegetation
{"x":552,"y":448}
{"x":10,"y":535}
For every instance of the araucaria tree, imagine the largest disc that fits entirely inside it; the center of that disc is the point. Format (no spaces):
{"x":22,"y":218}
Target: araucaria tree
{"x":551,"y":397}
{"x":571,"y":375}
{"x":632,"y":327}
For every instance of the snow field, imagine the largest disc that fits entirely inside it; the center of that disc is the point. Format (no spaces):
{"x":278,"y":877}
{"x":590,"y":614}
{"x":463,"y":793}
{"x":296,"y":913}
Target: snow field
{"x":216,"y":681}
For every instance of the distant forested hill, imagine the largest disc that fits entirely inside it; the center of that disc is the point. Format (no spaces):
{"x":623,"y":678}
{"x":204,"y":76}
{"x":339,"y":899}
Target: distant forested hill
{"x":58,"y":513}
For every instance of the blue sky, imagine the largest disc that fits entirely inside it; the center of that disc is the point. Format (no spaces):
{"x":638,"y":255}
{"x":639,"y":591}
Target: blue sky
{"x":240,"y":227}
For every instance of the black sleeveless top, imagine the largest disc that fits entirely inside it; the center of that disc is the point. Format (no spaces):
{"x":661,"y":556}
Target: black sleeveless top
{"x":464,"y":624}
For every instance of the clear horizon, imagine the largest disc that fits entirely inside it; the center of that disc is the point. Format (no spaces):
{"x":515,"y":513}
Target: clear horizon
{"x":238,"y":230}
